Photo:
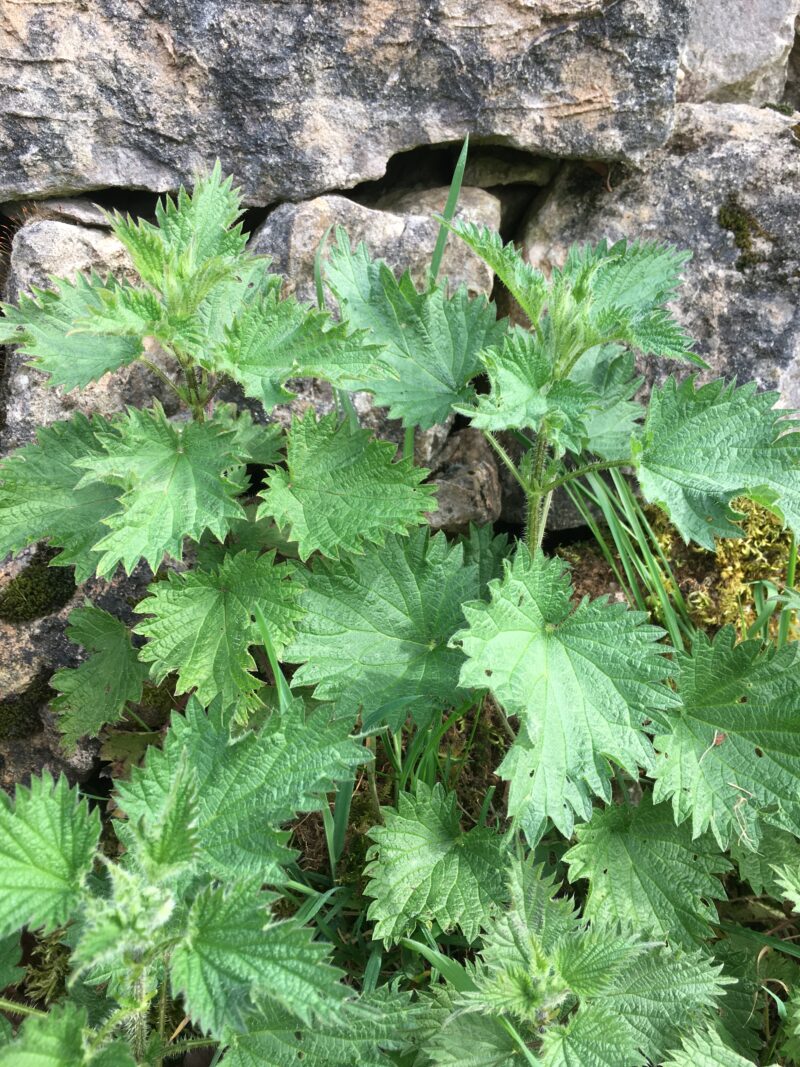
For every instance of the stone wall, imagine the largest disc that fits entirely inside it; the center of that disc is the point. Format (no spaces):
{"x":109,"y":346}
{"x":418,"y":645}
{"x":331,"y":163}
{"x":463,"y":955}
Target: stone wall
{"x":588,"y":118}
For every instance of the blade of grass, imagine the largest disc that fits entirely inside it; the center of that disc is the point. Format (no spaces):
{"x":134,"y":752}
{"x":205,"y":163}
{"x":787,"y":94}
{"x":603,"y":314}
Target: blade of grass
{"x":784,"y":626}
{"x":448,"y":213}
{"x":284,"y":693}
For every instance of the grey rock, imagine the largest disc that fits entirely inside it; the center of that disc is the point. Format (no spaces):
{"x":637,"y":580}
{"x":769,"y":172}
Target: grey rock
{"x":467,"y":482}
{"x":490,"y":167}
{"x":77,"y":210}
{"x":33,"y":650}
{"x":791,"y":93}
{"x":737,"y":51}
{"x":297,"y":98}
{"x":42,"y":249}
{"x":730,"y":173}
{"x":405,"y":236}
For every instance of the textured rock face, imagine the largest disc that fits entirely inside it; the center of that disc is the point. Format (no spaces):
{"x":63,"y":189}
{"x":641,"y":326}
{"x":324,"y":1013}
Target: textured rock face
{"x":468,"y":484}
{"x":298,"y":97}
{"x":737,"y":51}
{"x":41,"y":249}
{"x":725,"y":187}
{"x":404,"y":236}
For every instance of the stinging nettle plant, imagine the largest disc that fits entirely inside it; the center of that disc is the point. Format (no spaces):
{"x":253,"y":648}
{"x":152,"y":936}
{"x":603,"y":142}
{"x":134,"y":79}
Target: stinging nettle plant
{"x":320,"y":646}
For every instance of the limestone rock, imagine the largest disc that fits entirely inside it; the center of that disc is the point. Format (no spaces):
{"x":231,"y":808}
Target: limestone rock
{"x":791,"y":94}
{"x":33,"y":649}
{"x":725,"y":187}
{"x":73,"y":209}
{"x":298,"y":98}
{"x":405,"y":236}
{"x":468,"y":484}
{"x":41,"y":249}
{"x":737,"y":51}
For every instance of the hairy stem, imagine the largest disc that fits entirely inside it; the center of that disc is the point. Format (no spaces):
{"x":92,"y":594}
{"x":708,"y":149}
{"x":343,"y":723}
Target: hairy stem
{"x":539,"y":497}
{"x":155,"y":369}
{"x":408,"y":442}
{"x":509,"y":462}
{"x":13,"y":1008}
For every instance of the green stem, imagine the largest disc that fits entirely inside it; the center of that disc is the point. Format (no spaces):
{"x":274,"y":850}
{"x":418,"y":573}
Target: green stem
{"x":162,"y":1015}
{"x":154,"y":369}
{"x":538,"y":497}
{"x":192,"y":1042}
{"x":517,"y":1039}
{"x":786,"y":614}
{"x":408,"y":443}
{"x":509,"y":462}
{"x":590,"y":468}
{"x":13,"y":1008}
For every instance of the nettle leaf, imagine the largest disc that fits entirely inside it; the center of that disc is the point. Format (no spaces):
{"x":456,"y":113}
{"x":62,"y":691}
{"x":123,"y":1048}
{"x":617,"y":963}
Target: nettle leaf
{"x":705,"y":1048}
{"x":631,"y":276}
{"x":273,"y":340}
{"x":471,"y":1040}
{"x":201,"y":624}
{"x":48,"y":839}
{"x":96,"y":692}
{"x":702,"y":446}
{"x":204,"y":221}
{"x":233,"y":955}
{"x":57,"y":1040}
{"x":612,"y":418}
{"x":585,"y":993}
{"x":40,"y":498}
{"x":732,"y":755}
{"x":648,"y":873}
{"x":524,"y":394}
{"x":582,"y":681}
{"x":593,"y":1037}
{"x":527,"y":285}
{"x":788,"y":880}
{"x":430,"y":341}
{"x":245,"y":789}
{"x":777,"y":849}
{"x":10,"y":952}
{"x":122,"y":311}
{"x":197,"y":227}
{"x":44,"y":325}
{"x":376,"y":627}
{"x":124,"y":929}
{"x":343,"y":488}
{"x":379,"y":1021}
{"x":166,"y":836}
{"x":607,"y":294}
{"x":424,"y":868}
{"x":173,"y":484}
{"x":487,"y":551}
{"x":662,"y":994}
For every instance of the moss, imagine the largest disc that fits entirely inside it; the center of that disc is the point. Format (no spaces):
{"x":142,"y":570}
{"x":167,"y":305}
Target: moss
{"x":718,"y":587}
{"x":38,"y":590}
{"x":19,"y":714}
{"x":745,"y":227}
{"x":49,"y":966}
{"x":782,"y":109}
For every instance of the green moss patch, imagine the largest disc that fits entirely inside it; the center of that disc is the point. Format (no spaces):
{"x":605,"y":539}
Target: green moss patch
{"x":19,"y":714}
{"x":745,"y":227}
{"x":38,"y":590}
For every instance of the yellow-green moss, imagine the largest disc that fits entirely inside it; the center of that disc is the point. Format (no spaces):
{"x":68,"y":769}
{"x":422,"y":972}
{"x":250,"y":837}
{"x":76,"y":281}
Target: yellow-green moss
{"x":38,"y":590}
{"x":19,"y":714}
{"x":718,"y":587}
{"x":46,"y":973}
{"x":745,"y":227}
